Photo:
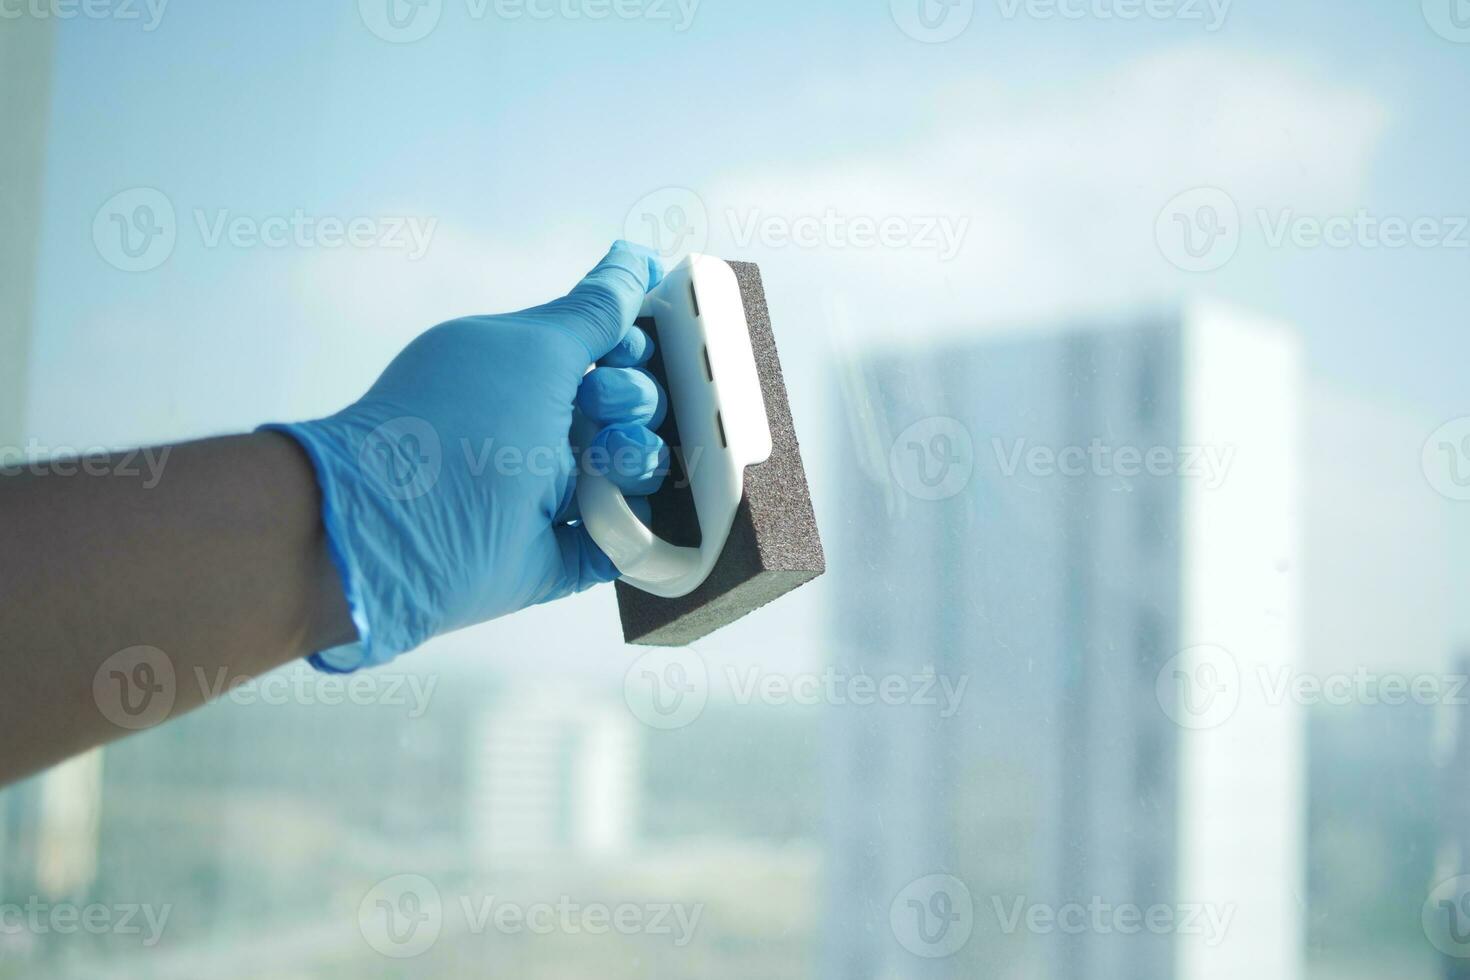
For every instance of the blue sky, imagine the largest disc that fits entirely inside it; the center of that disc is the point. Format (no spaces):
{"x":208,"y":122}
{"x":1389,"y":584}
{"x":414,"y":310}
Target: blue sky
{"x":527,"y":142}
{"x":540,"y":134}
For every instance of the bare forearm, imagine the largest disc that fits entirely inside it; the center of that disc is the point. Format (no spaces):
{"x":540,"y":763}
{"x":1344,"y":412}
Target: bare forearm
{"x":214,"y":557}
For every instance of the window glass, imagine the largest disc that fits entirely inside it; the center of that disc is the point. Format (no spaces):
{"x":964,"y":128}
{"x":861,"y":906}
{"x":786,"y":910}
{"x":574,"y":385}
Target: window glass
{"x":1125,"y":345}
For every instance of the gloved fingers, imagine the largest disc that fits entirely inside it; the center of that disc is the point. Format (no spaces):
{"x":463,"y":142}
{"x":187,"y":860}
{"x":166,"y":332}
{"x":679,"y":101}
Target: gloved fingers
{"x":584,"y":563}
{"x":609,"y":395}
{"x":632,"y":456}
{"x":602,"y":307}
{"x":639,"y":505}
{"x":633,"y":350}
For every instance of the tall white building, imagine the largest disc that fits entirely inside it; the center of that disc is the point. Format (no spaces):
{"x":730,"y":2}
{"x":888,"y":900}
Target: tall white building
{"x":552,"y":775}
{"x":1095,"y":528}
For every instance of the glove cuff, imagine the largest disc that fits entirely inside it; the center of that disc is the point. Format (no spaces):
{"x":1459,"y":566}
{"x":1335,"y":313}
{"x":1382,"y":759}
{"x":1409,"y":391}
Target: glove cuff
{"x":355,"y":519}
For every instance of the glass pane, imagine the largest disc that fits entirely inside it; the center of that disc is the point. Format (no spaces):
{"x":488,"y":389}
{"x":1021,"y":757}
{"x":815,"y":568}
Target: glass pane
{"x":1125,"y":345}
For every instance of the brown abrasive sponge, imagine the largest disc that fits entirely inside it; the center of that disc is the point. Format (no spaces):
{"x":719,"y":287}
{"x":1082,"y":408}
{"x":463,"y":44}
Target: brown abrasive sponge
{"x":773,"y":545}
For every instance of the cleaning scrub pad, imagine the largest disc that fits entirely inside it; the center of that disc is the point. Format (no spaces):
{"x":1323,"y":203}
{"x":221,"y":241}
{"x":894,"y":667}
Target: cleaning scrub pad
{"x":733,"y":526}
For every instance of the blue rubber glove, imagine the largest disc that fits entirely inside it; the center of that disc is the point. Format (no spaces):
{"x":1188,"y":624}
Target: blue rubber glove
{"x":449,"y":489}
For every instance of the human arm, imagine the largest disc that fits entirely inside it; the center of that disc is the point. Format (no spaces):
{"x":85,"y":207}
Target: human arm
{"x":353,"y":538}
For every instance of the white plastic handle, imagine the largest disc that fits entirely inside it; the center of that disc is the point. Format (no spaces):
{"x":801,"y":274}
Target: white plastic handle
{"x":715,"y":394}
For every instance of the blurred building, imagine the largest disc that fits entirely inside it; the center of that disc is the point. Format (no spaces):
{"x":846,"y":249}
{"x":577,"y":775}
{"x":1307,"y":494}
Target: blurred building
{"x":552,"y":775}
{"x":1093,"y":529}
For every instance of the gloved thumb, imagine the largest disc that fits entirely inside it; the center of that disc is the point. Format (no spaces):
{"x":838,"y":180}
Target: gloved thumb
{"x":602,"y":307}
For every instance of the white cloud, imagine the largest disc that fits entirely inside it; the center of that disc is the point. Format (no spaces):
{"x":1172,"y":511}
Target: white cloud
{"x":1063,"y":186}
{"x":1060,"y":186}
